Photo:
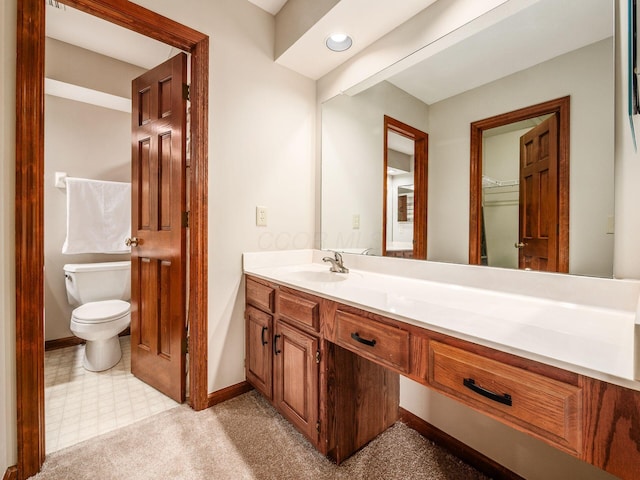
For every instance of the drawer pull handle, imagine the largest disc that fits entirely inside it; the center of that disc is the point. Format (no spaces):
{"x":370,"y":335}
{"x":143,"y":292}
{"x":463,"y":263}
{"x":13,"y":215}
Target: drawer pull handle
{"x":264,"y":329}
{"x":358,"y":338}
{"x":505,"y":399}
{"x":275,"y":345}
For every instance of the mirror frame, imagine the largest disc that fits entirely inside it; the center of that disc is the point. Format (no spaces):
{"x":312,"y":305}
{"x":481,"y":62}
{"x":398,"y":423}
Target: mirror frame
{"x":421,"y":182}
{"x":560,"y":107}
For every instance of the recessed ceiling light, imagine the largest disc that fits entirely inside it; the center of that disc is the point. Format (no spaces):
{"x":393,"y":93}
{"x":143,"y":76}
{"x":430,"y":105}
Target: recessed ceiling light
{"x":339,"y":42}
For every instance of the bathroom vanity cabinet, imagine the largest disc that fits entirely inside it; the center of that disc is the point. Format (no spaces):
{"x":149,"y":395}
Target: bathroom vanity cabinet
{"x":308,"y":380}
{"x":333,"y":370}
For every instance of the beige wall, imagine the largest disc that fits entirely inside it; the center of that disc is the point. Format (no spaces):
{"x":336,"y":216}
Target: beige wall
{"x":591,"y":150}
{"x":261,"y":152}
{"x":352,"y":158}
{"x":85,"y":141}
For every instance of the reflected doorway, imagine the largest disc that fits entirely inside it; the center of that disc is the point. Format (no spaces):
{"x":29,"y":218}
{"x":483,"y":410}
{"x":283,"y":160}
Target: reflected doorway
{"x":519,"y":189}
{"x":404,"y":229}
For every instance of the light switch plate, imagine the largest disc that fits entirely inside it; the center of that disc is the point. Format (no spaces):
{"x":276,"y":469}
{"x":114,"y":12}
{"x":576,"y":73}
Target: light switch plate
{"x":356,"y":221}
{"x":261,"y":216}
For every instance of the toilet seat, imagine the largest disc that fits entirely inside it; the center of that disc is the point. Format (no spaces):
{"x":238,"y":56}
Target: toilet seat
{"x":101,"y":312}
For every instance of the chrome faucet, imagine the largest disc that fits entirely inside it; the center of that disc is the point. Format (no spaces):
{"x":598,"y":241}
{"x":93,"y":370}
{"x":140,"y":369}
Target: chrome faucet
{"x":336,"y":263}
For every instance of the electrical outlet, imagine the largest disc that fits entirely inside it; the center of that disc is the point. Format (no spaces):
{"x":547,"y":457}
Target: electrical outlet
{"x":261,"y":216}
{"x":356,"y":221}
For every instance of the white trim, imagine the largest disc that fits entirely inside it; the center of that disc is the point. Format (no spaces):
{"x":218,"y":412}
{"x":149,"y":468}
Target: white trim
{"x":86,"y":95}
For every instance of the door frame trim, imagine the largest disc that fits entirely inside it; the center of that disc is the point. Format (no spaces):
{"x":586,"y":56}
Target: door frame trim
{"x":421,"y":179}
{"x":29,"y":206}
{"x":560,"y":107}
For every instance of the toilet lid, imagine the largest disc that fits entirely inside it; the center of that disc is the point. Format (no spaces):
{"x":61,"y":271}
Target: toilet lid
{"x":100,"y":312}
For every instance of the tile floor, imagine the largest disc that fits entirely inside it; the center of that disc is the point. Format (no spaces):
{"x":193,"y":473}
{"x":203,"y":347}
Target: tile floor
{"x":80,"y":404}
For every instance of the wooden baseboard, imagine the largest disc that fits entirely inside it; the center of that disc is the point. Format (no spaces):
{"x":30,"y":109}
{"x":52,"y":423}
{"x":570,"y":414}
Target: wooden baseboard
{"x":62,"y":343}
{"x":465,"y":453}
{"x":73,"y":341}
{"x":11,"y":473}
{"x":228,"y":393}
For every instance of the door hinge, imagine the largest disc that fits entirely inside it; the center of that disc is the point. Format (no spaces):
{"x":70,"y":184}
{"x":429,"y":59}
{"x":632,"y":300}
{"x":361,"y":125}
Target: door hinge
{"x":185,"y":345}
{"x":185,"y":219}
{"x":318,"y":427}
{"x":317,"y":356}
{"x":186,"y":92}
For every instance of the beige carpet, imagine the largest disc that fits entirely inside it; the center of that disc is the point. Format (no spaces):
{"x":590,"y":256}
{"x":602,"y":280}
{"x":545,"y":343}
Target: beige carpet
{"x":243,"y":438}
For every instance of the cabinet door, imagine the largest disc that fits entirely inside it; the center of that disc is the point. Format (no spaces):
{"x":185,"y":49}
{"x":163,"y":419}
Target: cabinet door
{"x":259,"y":367}
{"x":296,"y":378}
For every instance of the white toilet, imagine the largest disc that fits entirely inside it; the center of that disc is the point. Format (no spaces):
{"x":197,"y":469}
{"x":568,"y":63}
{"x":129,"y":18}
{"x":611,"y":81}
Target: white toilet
{"x":101,"y":293}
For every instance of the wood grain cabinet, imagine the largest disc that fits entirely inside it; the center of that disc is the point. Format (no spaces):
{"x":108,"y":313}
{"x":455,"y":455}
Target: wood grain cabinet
{"x":296,"y":375}
{"x":544,"y":407}
{"x":339,"y":400}
{"x":333,"y":371}
{"x":282,"y":357}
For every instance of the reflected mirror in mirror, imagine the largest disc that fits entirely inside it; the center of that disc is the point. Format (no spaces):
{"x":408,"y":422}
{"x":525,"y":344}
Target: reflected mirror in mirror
{"x":405,"y":191}
{"x":545,"y":51}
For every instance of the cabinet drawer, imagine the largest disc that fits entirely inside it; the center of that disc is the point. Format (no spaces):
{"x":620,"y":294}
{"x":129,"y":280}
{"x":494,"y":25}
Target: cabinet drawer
{"x":545,"y":407}
{"x":375,"y":340}
{"x":260,"y":295}
{"x":298,"y":310}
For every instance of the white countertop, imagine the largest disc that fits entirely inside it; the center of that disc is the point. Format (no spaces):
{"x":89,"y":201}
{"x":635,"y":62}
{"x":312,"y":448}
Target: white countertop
{"x":593,"y":337}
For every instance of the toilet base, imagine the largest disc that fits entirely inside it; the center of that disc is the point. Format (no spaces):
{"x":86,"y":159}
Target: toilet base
{"x":101,"y":355}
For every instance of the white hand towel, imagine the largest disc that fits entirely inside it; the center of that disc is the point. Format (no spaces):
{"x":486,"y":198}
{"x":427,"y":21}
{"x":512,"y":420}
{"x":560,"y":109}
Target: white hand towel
{"x":98,"y":216}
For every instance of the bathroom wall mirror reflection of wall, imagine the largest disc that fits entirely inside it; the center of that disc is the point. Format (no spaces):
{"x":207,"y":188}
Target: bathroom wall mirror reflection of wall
{"x":542,"y":51}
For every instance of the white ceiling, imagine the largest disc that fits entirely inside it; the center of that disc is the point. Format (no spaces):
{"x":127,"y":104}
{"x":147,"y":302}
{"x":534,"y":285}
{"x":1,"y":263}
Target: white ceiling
{"x":91,"y":33}
{"x":535,"y":34}
{"x":364,"y":20}
{"x":439,"y":76}
{"x":308,"y":55}
{"x":271,"y":6}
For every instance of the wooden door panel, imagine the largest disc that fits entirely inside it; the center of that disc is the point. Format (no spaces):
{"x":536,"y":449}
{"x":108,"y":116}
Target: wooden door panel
{"x":539,"y":209}
{"x":296,"y":378}
{"x":259,"y":348}
{"x":158,"y":320}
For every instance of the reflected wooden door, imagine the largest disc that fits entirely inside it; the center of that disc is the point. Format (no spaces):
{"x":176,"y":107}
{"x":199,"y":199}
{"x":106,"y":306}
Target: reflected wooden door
{"x":539,"y":198}
{"x":158,"y":326}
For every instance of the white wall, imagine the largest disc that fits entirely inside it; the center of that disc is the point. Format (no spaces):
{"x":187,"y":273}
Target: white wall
{"x":500,"y":159}
{"x":352,"y":162}
{"x":88,"y":142}
{"x":8,"y":447}
{"x":261,"y":152}
{"x":85,"y":141}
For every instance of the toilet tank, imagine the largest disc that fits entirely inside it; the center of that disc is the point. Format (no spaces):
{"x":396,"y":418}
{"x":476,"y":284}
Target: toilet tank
{"x":92,"y":282}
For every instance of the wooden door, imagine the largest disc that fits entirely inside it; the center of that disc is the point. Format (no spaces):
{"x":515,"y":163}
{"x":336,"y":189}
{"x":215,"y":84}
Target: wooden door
{"x":539,"y":208}
{"x":259,"y":352}
{"x":158,"y":326}
{"x":296,"y":378}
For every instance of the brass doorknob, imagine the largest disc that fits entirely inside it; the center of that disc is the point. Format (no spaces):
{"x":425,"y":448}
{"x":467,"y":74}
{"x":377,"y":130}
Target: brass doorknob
{"x":520,"y":245}
{"x":132,"y":242}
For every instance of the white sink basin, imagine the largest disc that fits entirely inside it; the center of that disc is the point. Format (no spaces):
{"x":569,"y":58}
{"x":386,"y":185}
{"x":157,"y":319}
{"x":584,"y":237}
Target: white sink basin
{"x":318,"y":277}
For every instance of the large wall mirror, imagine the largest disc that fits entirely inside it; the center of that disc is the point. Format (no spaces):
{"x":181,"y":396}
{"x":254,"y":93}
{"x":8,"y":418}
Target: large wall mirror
{"x":547,"y":51}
